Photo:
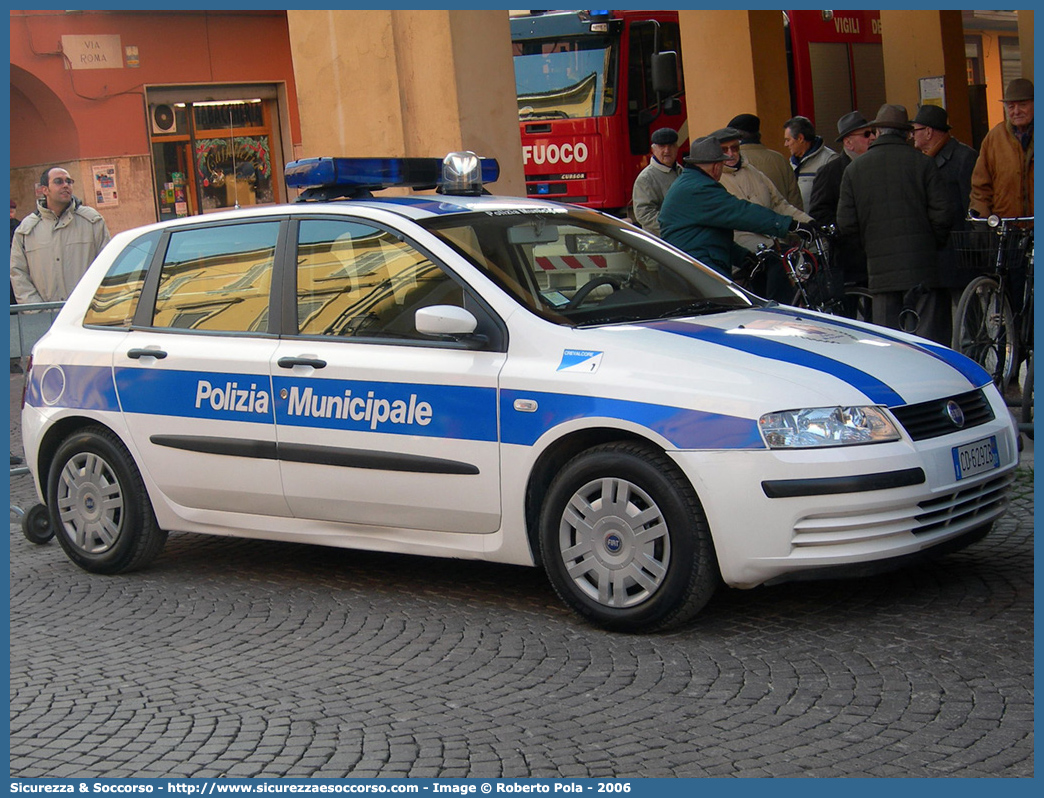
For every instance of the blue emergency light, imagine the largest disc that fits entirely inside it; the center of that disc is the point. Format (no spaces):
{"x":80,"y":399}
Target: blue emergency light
{"x":334,"y":178}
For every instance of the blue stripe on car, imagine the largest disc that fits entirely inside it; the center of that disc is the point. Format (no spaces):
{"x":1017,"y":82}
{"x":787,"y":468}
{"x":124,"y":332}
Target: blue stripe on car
{"x":968,"y":368}
{"x":774,"y":349}
{"x":685,"y":429}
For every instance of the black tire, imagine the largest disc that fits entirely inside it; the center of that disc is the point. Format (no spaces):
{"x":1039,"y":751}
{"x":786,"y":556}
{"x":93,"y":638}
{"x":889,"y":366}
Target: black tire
{"x":984,"y":329}
{"x":600,"y":568}
{"x":36,"y":525}
{"x":104,"y":519}
{"x":1027,"y":397}
{"x":858,"y":305}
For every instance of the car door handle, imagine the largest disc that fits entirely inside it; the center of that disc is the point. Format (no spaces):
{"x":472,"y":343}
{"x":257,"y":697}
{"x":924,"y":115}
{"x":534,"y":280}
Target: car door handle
{"x":136,"y":354}
{"x":290,"y":362}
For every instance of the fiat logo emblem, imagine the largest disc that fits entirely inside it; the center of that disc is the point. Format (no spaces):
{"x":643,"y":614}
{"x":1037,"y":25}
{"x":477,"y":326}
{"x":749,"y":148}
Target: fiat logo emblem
{"x":953,"y":410}
{"x":613,"y":544}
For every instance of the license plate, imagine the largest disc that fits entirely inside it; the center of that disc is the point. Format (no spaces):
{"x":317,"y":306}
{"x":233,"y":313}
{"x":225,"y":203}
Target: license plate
{"x":975,"y":458}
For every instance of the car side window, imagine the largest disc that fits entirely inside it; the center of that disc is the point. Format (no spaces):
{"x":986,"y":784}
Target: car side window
{"x":356,"y":280}
{"x":117,"y":297}
{"x":217,"y":279}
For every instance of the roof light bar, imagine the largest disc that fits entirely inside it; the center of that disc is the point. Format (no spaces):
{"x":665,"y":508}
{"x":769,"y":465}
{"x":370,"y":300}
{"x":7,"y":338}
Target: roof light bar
{"x":327,"y":178}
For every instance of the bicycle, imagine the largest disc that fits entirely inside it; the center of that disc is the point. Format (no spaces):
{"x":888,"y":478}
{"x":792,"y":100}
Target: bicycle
{"x":993,"y":324}
{"x":808,"y":268}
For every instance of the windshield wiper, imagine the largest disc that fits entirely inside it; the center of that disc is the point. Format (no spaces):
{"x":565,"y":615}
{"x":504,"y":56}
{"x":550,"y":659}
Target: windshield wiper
{"x":700,"y":308}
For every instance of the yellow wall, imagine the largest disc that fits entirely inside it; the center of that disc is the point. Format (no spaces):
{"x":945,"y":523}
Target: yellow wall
{"x":922,"y":44}
{"x":407,"y":83}
{"x":735,"y":63}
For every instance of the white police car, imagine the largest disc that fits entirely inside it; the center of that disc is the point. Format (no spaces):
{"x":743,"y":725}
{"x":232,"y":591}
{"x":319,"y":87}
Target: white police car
{"x":504,"y":379}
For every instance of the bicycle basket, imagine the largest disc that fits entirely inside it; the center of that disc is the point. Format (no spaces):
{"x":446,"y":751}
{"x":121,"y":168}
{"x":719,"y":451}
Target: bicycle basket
{"x":977,"y":250}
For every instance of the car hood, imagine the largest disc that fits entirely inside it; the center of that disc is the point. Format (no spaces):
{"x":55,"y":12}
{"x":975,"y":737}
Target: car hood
{"x":757,"y":359}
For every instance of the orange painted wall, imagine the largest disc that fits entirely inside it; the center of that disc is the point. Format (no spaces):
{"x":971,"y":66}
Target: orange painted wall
{"x":106,"y":107}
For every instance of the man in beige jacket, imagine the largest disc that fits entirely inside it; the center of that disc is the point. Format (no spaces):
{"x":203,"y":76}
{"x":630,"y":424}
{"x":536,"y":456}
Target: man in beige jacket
{"x":54,"y":245}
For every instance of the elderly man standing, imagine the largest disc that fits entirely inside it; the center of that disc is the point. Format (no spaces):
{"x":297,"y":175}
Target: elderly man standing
{"x":956,"y":161}
{"x":855,"y":135}
{"x":54,"y":245}
{"x":1002,"y":182}
{"x":650,"y":187}
{"x":748,"y":183}
{"x":808,"y":154}
{"x":774,"y":165}
{"x":699,"y":215}
{"x":894,"y":201}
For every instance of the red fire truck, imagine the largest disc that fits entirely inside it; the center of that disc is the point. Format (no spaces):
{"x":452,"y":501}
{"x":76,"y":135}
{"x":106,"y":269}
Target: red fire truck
{"x":593,"y":85}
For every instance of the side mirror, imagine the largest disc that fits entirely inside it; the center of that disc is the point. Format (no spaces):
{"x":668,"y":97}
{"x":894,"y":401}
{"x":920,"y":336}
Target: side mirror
{"x":442,"y":320}
{"x":665,"y":73}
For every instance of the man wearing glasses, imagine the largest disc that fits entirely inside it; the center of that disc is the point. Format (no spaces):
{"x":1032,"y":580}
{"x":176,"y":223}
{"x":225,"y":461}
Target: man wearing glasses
{"x":855,"y":136}
{"x":54,"y":245}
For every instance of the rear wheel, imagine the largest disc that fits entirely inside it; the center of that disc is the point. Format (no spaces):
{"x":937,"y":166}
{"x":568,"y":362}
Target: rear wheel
{"x":104,"y":520}
{"x":858,"y":305}
{"x":36,"y":525}
{"x":984,"y":329}
{"x":625,"y":541}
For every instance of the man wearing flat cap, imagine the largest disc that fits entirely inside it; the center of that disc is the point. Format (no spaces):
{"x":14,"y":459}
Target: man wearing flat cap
{"x":1002,"y":182}
{"x":650,"y":187}
{"x":854,"y":134}
{"x":699,"y":215}
{"x":773,"y":164}
{"x":895,"y":202}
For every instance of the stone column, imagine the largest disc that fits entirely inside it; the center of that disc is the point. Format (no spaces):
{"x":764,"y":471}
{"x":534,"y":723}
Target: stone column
{"x":407,"y":83}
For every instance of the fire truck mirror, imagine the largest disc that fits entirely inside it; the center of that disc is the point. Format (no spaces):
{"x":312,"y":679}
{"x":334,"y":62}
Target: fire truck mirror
{"x":665,"y":72}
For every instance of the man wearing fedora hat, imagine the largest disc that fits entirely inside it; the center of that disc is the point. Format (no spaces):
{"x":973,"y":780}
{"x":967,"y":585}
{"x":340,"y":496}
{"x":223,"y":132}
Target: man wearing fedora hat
{"x":1002,"y":182}
{"x":650,"y":187}
{"x":699,"y":216}
{"x":854,"y":134}
{"x":895,"y":203}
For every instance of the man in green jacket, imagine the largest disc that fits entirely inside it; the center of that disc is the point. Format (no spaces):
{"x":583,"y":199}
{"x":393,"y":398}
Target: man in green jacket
{"x":699,"y":215}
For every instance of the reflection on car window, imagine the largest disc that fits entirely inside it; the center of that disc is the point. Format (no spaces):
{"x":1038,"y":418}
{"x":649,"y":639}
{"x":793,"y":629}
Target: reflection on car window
{"x":116,"y":299}
{"x":355,"y":280}
{"x":217,"y":278}
{"x":576,"y":267}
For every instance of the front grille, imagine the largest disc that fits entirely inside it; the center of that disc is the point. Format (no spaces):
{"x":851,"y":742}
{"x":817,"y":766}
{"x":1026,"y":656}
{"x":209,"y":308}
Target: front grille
{"x":959,"y":511}
{"x":930,"y":419}
{"x":968,"y":507}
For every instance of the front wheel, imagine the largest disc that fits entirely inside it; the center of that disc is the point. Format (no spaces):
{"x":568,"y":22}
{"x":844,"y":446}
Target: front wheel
{"x":984,"y":329}
{"x":1027,"y":397}
{"x":625,"y":541}
{"x":104,"y":519}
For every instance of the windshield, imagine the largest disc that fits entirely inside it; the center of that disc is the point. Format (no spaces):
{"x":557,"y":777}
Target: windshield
{"x":568,"y":78}
{"x":576,"y":267}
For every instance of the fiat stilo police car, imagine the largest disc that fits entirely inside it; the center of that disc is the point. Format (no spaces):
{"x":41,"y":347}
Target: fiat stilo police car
{"x":457,"y":374}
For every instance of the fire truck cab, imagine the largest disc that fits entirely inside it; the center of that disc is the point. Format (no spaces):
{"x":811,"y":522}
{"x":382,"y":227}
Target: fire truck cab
{"x":591,"y":88}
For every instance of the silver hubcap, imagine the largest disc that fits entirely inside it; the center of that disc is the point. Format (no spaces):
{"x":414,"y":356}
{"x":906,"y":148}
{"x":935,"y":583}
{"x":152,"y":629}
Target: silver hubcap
{"x":614,"y":542}
{"x":90,"y":503}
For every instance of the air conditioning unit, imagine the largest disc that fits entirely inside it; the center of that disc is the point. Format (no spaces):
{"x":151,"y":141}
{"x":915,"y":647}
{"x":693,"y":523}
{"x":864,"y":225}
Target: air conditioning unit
{"x":163,"y":119}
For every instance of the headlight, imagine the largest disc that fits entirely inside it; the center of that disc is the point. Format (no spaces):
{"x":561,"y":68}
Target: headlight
{"x":826,"y":426}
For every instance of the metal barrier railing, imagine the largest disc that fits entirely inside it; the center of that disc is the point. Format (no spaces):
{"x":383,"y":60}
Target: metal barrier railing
{"x":28,"y":325}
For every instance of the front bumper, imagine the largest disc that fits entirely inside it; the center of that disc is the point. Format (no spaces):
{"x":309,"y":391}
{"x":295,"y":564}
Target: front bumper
{"x":776,"y":515}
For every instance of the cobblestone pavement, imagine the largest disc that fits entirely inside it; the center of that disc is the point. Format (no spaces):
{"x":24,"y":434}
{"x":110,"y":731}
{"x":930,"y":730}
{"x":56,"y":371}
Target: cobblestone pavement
{"x":248,"y":659}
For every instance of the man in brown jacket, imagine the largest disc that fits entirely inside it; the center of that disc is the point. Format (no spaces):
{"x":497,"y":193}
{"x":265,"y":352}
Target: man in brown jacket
{"x":1002,"y":182}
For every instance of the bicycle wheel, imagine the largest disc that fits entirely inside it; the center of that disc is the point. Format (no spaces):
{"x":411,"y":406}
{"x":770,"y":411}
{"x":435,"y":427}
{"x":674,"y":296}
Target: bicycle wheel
{"x":858,"y":305}
{"x":984,"y":329}
{"x":1027,"y":397}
